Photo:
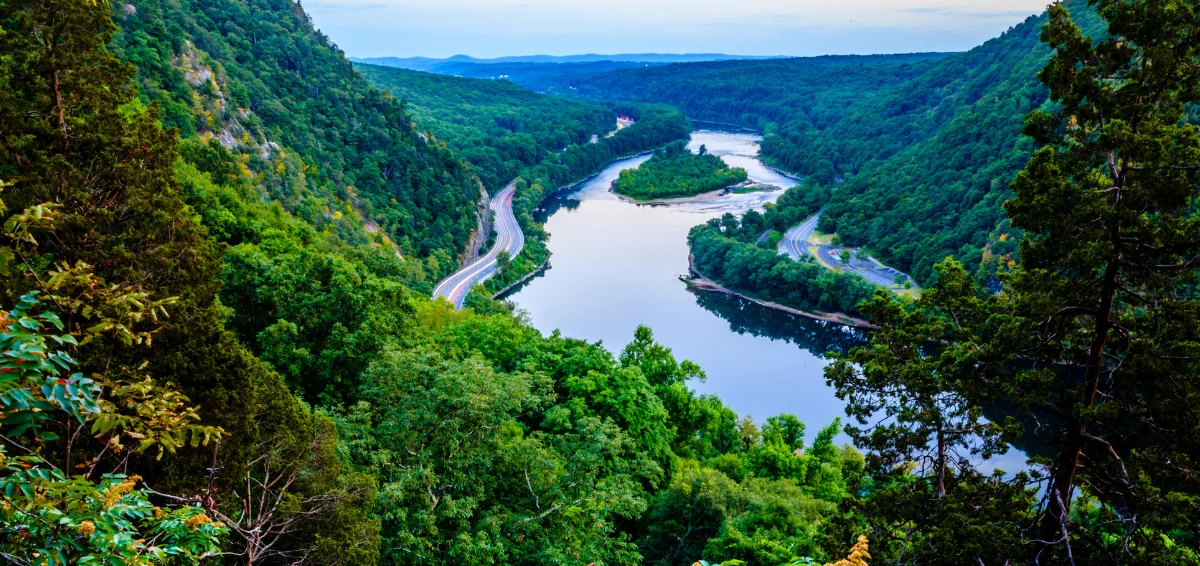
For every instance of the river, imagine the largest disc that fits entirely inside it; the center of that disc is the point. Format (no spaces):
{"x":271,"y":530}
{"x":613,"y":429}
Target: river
{"x":616,"y":265}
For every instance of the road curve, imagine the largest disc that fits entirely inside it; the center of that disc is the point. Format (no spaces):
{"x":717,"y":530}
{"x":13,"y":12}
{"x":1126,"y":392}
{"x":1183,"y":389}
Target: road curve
{"x":508,"y":237}
{"x":795,"y":244}
{"x":795,"y":241}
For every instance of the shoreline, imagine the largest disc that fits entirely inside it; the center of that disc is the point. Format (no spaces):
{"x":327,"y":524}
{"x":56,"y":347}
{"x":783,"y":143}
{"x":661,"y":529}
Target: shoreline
{"x":694,"y":280}
{"x":545,"y":197}
{"x":576,"y":184}
{"x":702,"y":198}
{"x":512,"y":287}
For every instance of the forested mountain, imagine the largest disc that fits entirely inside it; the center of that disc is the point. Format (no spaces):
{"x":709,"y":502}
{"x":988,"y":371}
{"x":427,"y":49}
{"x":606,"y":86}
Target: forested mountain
{"x":924,"y":146}
{"x":258,"y":78}
{"x":239,"y":370}
{"x":547,"y":78}
{"x":213,"y":353}
{"x":434,"y":65}
{"x":498,"y":127}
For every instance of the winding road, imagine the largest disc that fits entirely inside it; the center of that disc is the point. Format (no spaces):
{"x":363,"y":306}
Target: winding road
{"x":796,"y":240}
{"x":795,"y":244}
{"x":508,"y":237}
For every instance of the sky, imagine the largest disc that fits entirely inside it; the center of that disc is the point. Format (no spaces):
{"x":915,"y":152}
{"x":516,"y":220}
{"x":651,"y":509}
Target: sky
{"x":494,"y":28}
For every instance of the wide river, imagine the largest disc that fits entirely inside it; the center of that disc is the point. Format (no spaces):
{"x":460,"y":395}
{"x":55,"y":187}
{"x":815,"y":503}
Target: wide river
{"x":616,"y":265}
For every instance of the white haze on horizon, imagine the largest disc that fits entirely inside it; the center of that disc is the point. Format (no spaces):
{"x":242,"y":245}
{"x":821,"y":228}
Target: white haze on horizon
{"x":494,"y":28}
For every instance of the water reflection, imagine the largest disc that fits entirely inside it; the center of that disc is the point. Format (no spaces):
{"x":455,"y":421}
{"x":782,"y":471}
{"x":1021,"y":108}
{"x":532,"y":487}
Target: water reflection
{"x":615,"y":265}
{"x":744,"y":317}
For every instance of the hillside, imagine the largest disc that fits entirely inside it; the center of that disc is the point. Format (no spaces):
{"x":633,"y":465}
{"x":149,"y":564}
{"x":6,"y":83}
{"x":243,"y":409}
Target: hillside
{"x":258,"y":78}
{"x":926,"y":146}
{"x":219,"y":347}
{"x":287,"y":328}
{"x":498,"y":127}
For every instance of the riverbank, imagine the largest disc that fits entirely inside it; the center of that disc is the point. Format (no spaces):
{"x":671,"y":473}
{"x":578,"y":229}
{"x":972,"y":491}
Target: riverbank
{"x":696,"y":280}
{"x":516,"y":285}
{"x":701,"y":198}
{"x":617,"y":266}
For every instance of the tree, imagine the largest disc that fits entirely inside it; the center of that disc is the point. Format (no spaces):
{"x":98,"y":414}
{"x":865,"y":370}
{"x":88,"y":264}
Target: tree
{"x":929,"y":377}
{"x":503,"y":263}
{"x":917,"y":395}
{"x":1108,"y":274}
{"x":845,"y":256}
{"x":123,"y":245}
{"x":98,"y":515}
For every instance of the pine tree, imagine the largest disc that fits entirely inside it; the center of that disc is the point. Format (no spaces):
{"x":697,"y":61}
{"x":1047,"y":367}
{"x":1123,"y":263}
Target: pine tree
{"x":1109,"y":272}
{"x":73,"y":134}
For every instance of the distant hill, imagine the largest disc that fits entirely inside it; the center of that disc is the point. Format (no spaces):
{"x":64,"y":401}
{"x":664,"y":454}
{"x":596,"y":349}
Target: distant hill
{"x":497,"y":126}
{"x":921,"y":150}
{"x":434,"y":65}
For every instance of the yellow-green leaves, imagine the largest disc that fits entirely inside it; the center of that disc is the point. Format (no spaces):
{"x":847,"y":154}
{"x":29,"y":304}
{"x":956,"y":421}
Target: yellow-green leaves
{"x":152,"y":416}
{"x":103,"y":309}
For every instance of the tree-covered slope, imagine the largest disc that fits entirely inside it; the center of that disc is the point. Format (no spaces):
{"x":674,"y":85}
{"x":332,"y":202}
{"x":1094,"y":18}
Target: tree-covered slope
{"x":941,"y":195}
{"x":785,"y":98}
{"x":500,"y":128}
{"x":359,"y":421}
{"x":926,"y":149}
{"x":256,"y":76}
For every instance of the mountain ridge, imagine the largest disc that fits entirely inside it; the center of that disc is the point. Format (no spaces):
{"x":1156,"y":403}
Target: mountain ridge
{"x":425,"y":63}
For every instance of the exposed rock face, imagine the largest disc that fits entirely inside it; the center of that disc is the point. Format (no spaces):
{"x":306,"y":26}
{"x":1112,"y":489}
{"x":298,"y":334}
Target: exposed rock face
{"x":480,"y":236}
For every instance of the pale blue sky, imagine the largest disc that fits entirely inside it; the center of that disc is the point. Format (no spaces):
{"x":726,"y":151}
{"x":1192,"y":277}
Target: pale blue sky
{"x":493,"y":28}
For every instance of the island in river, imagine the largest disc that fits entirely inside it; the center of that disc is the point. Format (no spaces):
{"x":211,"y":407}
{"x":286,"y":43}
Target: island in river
{"x":676,"y":172}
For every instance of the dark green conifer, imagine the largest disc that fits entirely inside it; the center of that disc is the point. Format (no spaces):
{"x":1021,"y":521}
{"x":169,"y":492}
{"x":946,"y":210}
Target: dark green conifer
{"x":1108,"y":278}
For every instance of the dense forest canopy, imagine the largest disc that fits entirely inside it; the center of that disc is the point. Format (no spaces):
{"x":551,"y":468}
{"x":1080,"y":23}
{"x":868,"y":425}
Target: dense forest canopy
{"x":674,"y":172}
{"x":288,"y":328}
{"x":257,"y":77}
{"x":498,"y":127}
{"x":922,"y":147}
{"x":218,"y":345}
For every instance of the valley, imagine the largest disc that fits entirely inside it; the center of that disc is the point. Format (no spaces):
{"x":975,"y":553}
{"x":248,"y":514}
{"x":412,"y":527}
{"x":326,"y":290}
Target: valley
{"x":282,"y":286}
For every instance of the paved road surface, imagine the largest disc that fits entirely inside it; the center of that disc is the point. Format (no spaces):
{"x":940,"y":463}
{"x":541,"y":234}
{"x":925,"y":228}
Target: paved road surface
{"x":508,"y":237}
{"x":795,"y":244}
{"x":795,"y":241}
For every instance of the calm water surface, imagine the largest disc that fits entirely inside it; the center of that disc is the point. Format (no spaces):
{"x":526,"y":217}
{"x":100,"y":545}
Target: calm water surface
{"x":616,"y":265}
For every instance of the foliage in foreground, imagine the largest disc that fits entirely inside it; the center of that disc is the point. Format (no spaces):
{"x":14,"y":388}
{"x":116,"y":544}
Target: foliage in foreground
{"x":1091,"y":345}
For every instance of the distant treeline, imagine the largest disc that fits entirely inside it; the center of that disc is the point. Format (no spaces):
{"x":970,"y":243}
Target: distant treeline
{"x":923,"y":146}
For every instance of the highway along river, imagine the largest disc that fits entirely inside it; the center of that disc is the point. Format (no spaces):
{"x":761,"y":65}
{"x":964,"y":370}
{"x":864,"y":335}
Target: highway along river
{"x":616,"y":265}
